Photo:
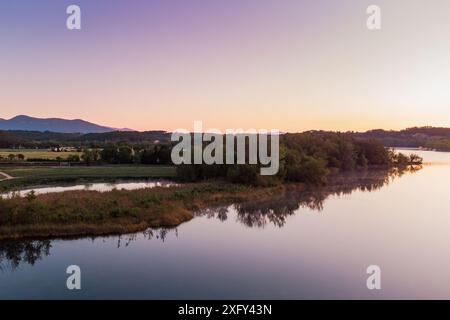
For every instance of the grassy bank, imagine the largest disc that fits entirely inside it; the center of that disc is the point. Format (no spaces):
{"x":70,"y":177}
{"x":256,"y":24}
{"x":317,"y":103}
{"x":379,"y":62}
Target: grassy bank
{"x":35,"y":176}
{"x":84,"y":213}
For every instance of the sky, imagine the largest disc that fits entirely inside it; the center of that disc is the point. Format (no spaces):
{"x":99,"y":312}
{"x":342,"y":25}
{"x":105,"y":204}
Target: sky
{"x":291,"y":65}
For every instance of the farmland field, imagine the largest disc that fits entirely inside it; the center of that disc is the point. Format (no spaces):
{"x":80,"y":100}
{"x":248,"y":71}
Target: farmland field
{"x":37,"y":153}
{"x":51,"y":175}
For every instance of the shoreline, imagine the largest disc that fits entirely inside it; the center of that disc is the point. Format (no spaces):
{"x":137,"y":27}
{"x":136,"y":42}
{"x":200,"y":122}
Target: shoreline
{"x":25,"y":177}
{"x":84,"y":213}
{"x":91,"y":213}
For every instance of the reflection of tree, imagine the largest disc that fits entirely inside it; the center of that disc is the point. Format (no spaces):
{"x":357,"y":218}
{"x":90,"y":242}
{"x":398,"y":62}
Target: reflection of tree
{"x":150,"y":234}
{"x":16,"y":253}
{"x":276,"y":209}
{"x":13,"y":253}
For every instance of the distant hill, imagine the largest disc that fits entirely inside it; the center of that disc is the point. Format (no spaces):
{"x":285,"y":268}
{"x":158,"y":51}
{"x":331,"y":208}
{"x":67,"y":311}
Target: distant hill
{"x":39,"y":139}
{"x":26,"y":123}
{"x":429,"y":137}
{"x":433,"y":138}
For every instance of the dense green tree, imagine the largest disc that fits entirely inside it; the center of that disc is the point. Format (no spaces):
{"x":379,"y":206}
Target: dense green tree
{"x":246,"y":174}
{"x":303,"y":168}
{"x":109,"y":154}
{"x":90,"y":156}
{"x":125,"y":155}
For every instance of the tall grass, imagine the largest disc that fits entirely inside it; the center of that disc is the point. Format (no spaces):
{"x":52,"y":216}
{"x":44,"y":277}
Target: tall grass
{"x":78,"y":213}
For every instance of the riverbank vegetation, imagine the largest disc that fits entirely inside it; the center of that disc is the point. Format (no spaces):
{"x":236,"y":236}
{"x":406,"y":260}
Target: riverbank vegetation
{"x":439,"y":145}
{"x":307,"y":158}
{"x":92,"y":213}
{"x":83,"y":213}
{"x":431,"y":138}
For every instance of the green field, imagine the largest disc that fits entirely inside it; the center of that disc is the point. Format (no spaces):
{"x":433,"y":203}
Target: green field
{"x":51,"y":175}
{"x":37,"y":153}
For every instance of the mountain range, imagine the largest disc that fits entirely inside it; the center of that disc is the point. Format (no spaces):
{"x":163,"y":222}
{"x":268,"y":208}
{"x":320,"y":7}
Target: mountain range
{"x":27,"y":123}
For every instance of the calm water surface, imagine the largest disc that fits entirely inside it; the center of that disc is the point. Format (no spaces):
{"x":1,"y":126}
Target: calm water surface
{"x":101,"y":187}
{"x":314,"y":244}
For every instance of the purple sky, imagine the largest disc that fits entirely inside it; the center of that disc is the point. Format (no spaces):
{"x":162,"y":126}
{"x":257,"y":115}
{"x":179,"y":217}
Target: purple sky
{"x":286,"y":64}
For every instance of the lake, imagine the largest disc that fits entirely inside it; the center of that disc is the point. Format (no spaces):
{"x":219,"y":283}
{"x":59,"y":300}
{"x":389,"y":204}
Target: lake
{"x":300,"y":245}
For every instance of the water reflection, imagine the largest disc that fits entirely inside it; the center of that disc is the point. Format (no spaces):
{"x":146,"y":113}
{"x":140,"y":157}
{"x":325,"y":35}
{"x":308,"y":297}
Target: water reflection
{"x":100,"y":187}
{"x":278,"y":208}
{"x":15,"y":253}
{"x":255,"y":214}
{"x":150,"y":234}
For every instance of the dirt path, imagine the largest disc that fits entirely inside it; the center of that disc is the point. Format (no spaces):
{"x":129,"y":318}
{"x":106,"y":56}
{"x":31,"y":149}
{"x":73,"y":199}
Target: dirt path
{"x":6,"y":176}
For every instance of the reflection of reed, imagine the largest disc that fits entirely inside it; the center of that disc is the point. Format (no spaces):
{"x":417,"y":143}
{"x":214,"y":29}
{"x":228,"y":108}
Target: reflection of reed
{"x":276,"y":209}
{"x":150,"y":234}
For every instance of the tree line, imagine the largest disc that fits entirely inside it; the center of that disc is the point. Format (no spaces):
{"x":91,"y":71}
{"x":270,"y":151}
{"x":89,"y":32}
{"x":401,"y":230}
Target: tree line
{"x":427,"y":137}
{"x":304,"y":157}
{"x":309,"y":158}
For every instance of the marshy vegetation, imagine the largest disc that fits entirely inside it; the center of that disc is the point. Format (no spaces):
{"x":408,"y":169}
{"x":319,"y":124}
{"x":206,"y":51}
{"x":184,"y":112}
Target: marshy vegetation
{"x":308,"y":158}
{"x":91,"y":213}
{"x":78,"y":213}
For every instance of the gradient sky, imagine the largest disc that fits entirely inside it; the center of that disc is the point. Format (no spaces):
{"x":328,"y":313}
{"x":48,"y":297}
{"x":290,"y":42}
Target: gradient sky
{"x":293,"y":65}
